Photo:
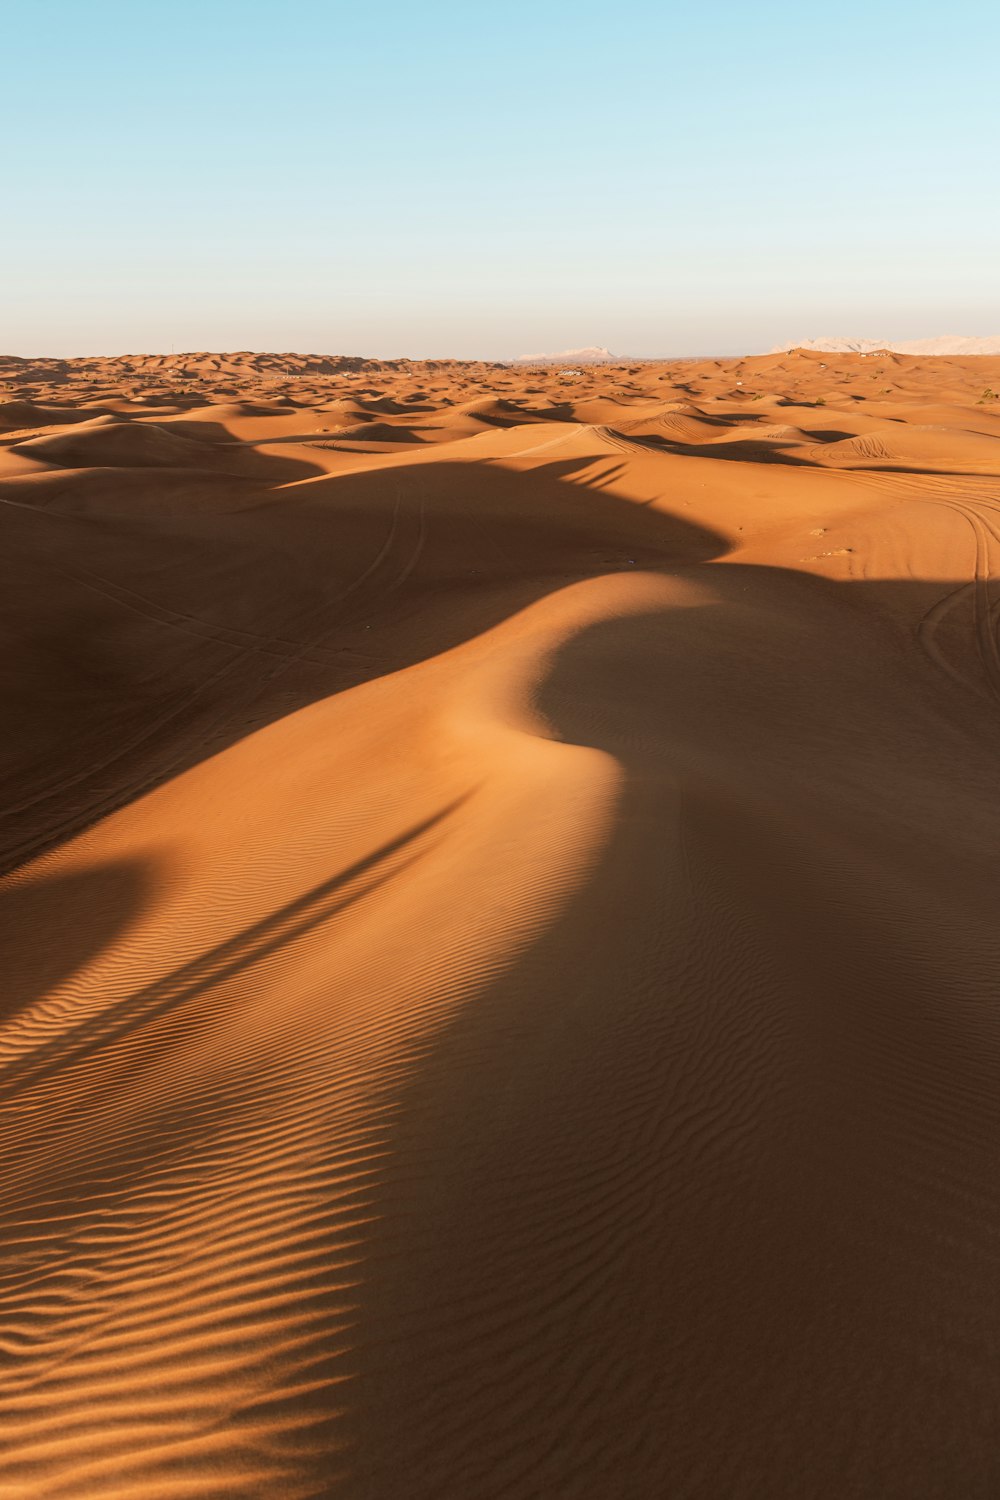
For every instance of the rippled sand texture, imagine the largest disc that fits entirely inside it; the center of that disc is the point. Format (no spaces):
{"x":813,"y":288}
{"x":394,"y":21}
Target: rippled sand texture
{"x":502,"y":930}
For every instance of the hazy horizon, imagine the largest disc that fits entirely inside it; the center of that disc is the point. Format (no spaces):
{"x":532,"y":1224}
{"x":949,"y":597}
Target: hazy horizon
{"x":387,"y":355}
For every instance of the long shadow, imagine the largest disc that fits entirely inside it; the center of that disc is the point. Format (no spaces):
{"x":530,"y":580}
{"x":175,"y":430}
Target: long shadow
{"x":700,"y":1197}
{"x":51,"y":926}
{"x":139,"y":1008}
{"x":155,"y":627}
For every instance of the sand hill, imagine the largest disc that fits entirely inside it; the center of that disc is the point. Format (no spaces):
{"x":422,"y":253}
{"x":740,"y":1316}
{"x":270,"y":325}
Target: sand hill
{"x":500,"y":929}
{"x":950,"y":344}
{"x":592,"y":355}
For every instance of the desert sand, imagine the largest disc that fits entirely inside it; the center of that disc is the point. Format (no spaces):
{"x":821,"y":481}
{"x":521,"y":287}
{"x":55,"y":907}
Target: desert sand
{"x":501,"y":929}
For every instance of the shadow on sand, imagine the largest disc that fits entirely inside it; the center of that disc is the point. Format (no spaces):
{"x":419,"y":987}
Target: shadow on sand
{"x":720,"y":1215}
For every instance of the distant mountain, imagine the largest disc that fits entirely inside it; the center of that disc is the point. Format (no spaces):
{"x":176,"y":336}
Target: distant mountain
{"x":946,"y":344}
{"x":591,"y":356}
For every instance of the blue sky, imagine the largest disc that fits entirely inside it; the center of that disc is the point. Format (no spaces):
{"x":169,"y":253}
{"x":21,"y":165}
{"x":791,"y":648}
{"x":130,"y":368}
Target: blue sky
{"x":433,"y":177}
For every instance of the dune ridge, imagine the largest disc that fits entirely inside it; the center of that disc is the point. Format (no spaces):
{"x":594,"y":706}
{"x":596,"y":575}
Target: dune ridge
{"x":499,"y":923}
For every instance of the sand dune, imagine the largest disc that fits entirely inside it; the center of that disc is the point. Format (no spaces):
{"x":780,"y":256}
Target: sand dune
{"x":500,"y":929}
{"x":115,"y":445}
{"x":947,"y":343}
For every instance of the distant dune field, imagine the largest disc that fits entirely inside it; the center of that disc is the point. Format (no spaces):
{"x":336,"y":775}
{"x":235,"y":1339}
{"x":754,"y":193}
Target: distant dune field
{"x":501,"y":929}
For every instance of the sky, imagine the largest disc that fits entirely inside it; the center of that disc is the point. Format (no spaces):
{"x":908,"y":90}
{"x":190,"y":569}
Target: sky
{"x":435,"y":178}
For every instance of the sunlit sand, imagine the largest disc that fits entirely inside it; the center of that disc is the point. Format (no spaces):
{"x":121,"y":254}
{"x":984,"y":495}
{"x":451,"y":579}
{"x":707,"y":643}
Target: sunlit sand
{"x":501,"y":928}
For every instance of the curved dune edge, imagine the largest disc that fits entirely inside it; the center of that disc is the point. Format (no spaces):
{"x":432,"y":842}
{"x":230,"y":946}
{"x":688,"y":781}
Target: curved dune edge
{"x":499,"y":931}
{"x":243,"y":1099}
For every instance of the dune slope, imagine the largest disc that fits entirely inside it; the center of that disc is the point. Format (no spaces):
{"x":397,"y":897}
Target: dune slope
{"x":499,"y":929}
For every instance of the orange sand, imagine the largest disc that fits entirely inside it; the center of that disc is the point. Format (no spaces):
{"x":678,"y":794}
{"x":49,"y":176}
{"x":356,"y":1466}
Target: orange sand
{"x":501,"y":933}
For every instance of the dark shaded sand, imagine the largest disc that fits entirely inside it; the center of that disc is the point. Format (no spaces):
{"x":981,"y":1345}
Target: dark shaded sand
{"x":501,"y":937}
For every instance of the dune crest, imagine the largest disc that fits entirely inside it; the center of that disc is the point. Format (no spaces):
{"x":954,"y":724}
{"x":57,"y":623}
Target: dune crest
{"x":499,"y":915}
